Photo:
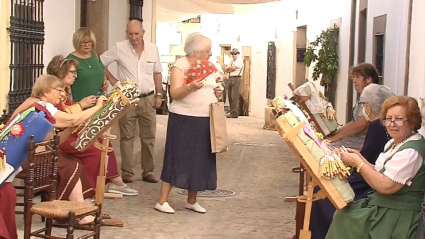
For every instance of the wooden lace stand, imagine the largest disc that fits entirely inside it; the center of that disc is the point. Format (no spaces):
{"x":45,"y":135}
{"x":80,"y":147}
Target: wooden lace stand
{"x":305,"y":201}
{"x":106,"y":136}
{"x":101,"y":179}
{"x":104,"y":147}
{"x":305,"y":180}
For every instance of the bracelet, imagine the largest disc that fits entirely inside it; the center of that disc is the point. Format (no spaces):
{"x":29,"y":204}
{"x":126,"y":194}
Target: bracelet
{"x":80,"y":106}
{"x":360,"y":167}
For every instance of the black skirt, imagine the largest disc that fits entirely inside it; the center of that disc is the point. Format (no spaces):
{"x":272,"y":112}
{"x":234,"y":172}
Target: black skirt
{"x":188,"y":161}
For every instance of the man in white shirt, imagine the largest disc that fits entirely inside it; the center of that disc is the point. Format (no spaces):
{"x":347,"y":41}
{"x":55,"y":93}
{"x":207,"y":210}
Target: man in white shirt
{"x":139,"y":61}
{"x":235,"y":72}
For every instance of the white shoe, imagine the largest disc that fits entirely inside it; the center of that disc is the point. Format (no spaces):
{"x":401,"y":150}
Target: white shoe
{"x":165,"y":208}
{"x":195,"y":207}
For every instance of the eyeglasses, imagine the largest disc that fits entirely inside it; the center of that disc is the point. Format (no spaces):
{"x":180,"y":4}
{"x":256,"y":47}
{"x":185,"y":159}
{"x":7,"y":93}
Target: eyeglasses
{"x":87,"y":43}
{"x":396,"y":122}
{"x":74,"y":72}
{"x":233,"y":54}
{"x":59,"y":90}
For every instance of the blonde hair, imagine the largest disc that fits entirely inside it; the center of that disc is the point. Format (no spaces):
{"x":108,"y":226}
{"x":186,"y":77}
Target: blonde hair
{"x":79,"y":35}
{"x":59,"y":66}
{"x":44,"y":84}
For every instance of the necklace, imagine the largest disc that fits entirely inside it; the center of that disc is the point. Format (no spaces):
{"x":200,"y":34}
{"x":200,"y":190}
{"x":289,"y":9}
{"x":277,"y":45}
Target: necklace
{"x":402,"y":142}
{"x":85,"y":59}
{"x":87,"y":63}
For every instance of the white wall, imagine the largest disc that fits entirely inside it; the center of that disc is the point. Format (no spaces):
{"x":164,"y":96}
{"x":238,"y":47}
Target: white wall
{"x":416,"y":86}
{"x":147,"y":19}
{"x":395,"y":40}
{"x":59,"y":28}
{"x":342,"y":75}
{"x":271,"y":22}
{"x":395,"y":46}
{"x":117,"y":25}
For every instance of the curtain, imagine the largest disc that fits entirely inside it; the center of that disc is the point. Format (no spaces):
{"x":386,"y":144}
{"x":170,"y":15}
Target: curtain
{"x":241,"y":1}
{"x":178,"y":10}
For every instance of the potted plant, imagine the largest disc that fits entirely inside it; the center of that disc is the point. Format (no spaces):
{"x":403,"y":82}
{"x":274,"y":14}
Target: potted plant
{"x":324,"y":52}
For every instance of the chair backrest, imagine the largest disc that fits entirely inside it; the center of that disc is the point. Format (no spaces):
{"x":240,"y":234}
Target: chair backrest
{"x":5,"y":117}
{"x":42,"y":168}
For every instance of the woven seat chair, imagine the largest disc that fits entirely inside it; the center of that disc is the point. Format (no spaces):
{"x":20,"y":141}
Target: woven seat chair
{"x":42,"y":175}
{"x":5,"y":117}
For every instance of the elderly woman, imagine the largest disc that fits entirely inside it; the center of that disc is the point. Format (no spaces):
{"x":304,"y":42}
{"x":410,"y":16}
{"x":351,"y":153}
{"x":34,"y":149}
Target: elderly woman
{"x":352,"y":134}
{"x":90,"y":79}
{"x":371,"y":100}
{"x":397,"y":178}
{"x":72,"y":183}
{"x":188,"y":161}
{"x":66,"y":70}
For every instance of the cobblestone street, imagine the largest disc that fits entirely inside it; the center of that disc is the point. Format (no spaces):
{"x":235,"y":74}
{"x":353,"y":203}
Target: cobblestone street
{"x":257,"y":167}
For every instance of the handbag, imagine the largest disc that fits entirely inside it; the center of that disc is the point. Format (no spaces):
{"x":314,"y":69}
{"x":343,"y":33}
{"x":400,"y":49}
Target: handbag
{"x":420,"y":232}
{"x":218,"y":128}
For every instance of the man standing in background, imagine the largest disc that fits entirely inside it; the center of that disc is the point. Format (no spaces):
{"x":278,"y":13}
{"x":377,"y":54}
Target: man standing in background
{"x":139,"y":61}
{"x":235,"y":71}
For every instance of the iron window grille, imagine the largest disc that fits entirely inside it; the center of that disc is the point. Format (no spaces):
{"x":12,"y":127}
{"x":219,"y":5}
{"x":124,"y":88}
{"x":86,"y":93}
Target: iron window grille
{"x":136,"y":7}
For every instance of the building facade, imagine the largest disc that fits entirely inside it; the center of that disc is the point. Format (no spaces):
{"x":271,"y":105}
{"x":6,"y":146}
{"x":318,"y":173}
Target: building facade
{"x":60,"y":19}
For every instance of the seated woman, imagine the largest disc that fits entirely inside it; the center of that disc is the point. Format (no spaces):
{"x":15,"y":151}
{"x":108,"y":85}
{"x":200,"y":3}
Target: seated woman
{"x":352,"y":134}
{"x":72,"y":183}
{"x":392,"y":209}
{"x":66,"y":70}
{"x":371,"y":100}
{"x":7,"y":212}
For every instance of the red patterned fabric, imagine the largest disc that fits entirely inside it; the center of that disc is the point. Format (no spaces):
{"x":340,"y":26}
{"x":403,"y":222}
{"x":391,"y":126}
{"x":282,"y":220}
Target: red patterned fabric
{"x":7,"y":212}
{"x":199,"y":70}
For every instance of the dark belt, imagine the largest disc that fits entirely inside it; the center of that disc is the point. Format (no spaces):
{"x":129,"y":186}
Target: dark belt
{"x":146,"y":95}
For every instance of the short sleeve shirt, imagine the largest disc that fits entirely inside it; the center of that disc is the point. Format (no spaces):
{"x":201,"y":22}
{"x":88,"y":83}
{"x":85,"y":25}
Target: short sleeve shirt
{"x":140,"y":70}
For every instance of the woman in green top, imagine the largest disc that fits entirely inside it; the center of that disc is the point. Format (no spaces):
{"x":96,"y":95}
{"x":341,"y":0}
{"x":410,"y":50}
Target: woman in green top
{"x":90,"y":73}
{"x":392,"y":209}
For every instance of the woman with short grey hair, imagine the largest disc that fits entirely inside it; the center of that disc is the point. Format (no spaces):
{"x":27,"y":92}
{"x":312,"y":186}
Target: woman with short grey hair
{"x":371,"y":100}
{"x":196,"y":43}
{"x":188,"y":161}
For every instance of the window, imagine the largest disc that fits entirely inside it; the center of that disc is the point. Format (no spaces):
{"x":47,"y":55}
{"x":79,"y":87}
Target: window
{"x":136,"y":12}
{"x":379,"y":26}
{"x":379,"y":54}
{"x":26,"y":54}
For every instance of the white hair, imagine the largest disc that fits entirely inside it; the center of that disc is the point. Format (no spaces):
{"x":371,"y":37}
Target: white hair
{"x":196,"y":42}
{"x":375,"y":95}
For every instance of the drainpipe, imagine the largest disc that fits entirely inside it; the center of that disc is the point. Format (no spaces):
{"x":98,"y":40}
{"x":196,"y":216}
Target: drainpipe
{"x":83,"y":13}
{"x":408,"y":37}
{"x":349,"y":104}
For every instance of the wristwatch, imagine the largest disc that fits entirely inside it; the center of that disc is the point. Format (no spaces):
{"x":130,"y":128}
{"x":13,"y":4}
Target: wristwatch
{"x":160,"y":95}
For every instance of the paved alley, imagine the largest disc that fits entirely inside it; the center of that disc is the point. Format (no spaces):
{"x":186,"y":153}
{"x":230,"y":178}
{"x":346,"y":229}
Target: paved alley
{"x":257,"y":167}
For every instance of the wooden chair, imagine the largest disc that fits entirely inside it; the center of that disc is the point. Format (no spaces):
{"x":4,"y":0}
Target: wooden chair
{"x":42,"y":176}
{"x":5,"y":117}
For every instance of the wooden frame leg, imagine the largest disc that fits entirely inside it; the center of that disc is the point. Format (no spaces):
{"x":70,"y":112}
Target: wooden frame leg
{"x":305,"y":232}
{"x":101,"y":179}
